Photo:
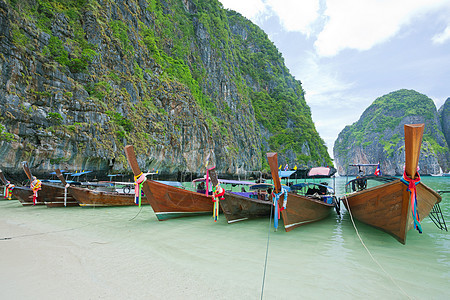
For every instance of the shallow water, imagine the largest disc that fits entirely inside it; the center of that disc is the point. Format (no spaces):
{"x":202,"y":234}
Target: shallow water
{"x":206,"y":259}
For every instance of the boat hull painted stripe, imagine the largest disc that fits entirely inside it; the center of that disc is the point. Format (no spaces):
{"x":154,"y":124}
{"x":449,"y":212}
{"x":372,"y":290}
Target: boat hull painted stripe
{"x":237,"y":220}
{"x":170,"y":215}
{"x":299,"y":223}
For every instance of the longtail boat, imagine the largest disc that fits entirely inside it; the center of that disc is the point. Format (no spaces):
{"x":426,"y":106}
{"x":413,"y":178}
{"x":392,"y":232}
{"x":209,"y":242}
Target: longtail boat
{"x":298,"y":210}
{"x":50,"y":194}
{"x":167,"y":201}
{"x":18,"y":192}
{"x":97,"y":197}
{"x":239,"y":206}
{"x":397,"y":205}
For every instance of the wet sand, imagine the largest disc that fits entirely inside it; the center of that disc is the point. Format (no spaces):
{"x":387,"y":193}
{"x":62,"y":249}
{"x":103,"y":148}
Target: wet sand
{"x":119,"y":253}
{"x":73,"y":261}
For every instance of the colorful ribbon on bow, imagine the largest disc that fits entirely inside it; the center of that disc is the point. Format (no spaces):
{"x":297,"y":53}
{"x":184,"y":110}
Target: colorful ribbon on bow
{"x":411,"y":183}
{"x":218,"y":193}
{"x":139,"y":182}
{"x":35,"y":186}
{"x":8,"y":190}
{"x":275,"y":198}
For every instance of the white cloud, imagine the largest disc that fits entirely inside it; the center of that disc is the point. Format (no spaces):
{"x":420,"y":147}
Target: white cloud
{"x":361,"y":25}
{"x":296,"y":15}
{"x":442,"y":37}
{"x":248,"y":8}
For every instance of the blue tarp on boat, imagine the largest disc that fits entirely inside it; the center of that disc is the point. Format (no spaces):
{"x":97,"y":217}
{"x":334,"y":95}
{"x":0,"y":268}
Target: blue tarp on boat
{"x":285,"y":174}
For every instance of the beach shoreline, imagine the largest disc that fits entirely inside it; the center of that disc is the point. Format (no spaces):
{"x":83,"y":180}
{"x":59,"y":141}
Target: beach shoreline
{"x":58,"y":260}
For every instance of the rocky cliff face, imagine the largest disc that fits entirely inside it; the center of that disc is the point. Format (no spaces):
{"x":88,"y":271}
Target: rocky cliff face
{"x":444,"y":116}
{"x":179,"y":80}
{"x":378,"y":136}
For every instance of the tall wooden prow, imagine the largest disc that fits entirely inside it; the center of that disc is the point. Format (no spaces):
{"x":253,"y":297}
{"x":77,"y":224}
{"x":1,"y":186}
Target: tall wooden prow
{"x":27,"y":171}
{"x":272,"y":158}
{"x":60,"y":176}
{"x":413,"y":142}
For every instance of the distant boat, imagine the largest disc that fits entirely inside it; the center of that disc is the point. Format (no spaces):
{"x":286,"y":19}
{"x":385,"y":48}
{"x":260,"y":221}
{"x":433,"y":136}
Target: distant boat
{"x":388,"y":206}
{"x":300,"y":210}
{"x":50,"y":194}
{"x":168,"y":201}
{"x":102,"y":196}
{"x":441,"y":175}
{"x":20,"y":193}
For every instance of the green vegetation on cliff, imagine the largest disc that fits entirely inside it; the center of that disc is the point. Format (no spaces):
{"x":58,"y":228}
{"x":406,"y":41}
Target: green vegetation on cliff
{"x":380,"y":127}
{"x":132,"y":58}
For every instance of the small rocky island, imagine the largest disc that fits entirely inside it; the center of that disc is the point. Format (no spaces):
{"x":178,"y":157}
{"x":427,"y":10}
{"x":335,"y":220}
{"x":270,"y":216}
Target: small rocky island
{"x":378,"y":135}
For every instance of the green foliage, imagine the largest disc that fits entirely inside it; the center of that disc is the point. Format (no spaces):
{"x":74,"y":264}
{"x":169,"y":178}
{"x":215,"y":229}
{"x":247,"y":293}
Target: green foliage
{"x":5,"y":135}
{"x":20,"y":40}
{"x":119,"y":30}
{"x":54,"y":118}
{"x":438,"y":149}
{"x":98,"y":90}
{"x":169,"y":36}
{"x":119,"y":120}
{"x":383,"y":118}
{"x":61,"y":55}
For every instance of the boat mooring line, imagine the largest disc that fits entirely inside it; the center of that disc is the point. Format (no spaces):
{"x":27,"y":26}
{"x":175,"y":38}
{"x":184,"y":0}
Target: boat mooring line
{"x":136,"y":214}
{"x":370,"y":254}
{"x":267,"y":251}
{"x":41,"y":233}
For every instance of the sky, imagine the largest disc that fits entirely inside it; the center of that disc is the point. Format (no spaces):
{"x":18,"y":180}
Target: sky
{"x":347,"y":53}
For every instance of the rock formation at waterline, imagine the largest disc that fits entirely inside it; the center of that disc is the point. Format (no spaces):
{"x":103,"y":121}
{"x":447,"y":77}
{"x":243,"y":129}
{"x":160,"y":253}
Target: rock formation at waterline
{"x":378,"y":135}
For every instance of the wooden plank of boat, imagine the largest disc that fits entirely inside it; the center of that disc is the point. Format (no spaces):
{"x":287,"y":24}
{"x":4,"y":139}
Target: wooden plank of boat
{"x":167,"y":201}
{"x":236,"y":207}
{"x":87,"y":197}
{"x":23,"y":194}
{"x":300,"y":210}
{"x":387,"y":206}
{"x":48,"y":193}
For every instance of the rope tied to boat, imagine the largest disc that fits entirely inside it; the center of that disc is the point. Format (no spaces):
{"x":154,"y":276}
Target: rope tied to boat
{"x":8,"y":190}
{"x":218,"y":193}
{"x":275,"y":198}
{"x":35,"y":186}
{"x":138,"y":182}
{"x":411,"y":183}
{"x":65,"y":193}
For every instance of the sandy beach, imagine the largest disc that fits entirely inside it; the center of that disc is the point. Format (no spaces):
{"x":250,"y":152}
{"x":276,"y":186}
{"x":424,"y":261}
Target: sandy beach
{"x":126,"y":253}
{"x":59,"y":260}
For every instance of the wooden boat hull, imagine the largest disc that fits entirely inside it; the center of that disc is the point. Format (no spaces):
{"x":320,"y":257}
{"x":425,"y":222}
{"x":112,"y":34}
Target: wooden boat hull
{"x":388,"y":207}
{"x":50,"y":195}
{"x":171,"y":202}
{"x":301,"y":210}
{"x":86,"y":197}
{"x":238,"y":208}
{"x":23,"y":194}
{"x":167,"y":201}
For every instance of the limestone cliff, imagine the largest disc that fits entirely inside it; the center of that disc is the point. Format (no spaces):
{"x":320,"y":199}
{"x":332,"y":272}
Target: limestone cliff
{"x":444,"y":117}
{"x":178,"y":79}
{"x":378,"y":135}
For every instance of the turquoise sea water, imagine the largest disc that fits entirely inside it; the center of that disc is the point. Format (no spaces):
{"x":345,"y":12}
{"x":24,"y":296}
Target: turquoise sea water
{"x":226,"y":261}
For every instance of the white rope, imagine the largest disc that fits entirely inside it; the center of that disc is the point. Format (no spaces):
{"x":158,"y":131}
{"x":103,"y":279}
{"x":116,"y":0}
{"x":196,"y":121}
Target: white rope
{"x":370,"y":254}
{"x":267,"y":251}
{"x":65,"y":194}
